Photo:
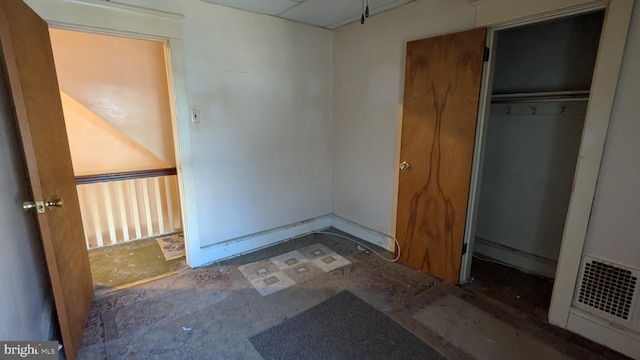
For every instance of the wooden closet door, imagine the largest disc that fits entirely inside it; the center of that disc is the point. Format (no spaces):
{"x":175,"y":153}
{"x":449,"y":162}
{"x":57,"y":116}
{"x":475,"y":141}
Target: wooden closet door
{"x":34,"y":87}
{"x":441,"y":94}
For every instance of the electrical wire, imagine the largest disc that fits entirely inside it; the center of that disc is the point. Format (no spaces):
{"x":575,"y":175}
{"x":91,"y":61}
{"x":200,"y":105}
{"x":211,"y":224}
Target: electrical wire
{"x":361,"y":244}
{"x":365,"y":12}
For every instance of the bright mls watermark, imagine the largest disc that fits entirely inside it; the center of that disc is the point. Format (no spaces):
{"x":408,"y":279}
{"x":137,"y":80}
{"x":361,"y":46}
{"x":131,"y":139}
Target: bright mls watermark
{"x":44,"y":350}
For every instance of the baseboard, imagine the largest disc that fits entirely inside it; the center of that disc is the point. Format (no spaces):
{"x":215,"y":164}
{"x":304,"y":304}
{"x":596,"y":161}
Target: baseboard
{"x":604,"y":332}
{"x":363,"y":232}
{"x":519,"y":259}
{"x":246,"y":244}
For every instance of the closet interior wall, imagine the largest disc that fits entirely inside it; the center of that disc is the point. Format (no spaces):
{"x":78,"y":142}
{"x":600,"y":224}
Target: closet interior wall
{"x":540,"y":91}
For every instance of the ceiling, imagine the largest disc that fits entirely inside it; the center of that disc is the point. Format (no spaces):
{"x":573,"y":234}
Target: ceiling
{"x":324,"y":13}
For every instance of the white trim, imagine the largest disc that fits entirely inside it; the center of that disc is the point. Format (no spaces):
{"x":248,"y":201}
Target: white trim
{"x":254,"y":242}
{"x":478,"y":156}
{"x":123,"y":20}
{"x":504,"y":14}
{"x":108,"y":18}
{"x":182,"y":142}
{"x":363,"y":232}
{"x":573,"y":11}
{"x":604,"y":332}
{"x":109,"y":4}
{"x":603,"y":89}
{"x":522,"y":260}
{"x":250,"y":243}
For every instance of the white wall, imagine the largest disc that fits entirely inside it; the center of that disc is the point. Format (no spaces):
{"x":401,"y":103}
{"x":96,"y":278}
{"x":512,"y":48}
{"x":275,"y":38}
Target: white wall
{"x":98,"y":147}
{"x":556,"y":55}
{"x":526,"y":181}
{"x":614,"y":229}
{"x":123,"y":83}
{"x":262,"y":152}
{"x":368,"y":80}
{"x":25,"y":292}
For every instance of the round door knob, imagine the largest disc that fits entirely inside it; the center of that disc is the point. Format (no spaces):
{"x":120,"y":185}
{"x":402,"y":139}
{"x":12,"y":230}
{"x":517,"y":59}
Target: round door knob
{"x":404,"y":165}
{"x":54,"y":203}
{"x":28,"y":205}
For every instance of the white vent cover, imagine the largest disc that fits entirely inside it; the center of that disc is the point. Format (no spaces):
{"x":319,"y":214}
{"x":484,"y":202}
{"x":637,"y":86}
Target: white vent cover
{"x":607,"y":289}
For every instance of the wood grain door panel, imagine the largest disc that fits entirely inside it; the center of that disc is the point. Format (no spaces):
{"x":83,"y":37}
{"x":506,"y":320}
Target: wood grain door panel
{"x":34,"y":86}
{"x":441,"y":94}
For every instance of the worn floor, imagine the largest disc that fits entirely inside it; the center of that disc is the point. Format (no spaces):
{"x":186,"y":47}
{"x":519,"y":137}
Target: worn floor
{"x":118,"y":265}
{"x":211,"y":312}
{"x":529,"y":293}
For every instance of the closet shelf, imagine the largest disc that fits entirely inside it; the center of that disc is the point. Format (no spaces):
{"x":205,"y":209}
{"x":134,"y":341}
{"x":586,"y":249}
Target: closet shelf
{"x":549,"y":96}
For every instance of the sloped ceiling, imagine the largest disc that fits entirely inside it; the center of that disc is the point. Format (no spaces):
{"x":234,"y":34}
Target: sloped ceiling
{"x":97,"y":147}
{"x":324,"y":13}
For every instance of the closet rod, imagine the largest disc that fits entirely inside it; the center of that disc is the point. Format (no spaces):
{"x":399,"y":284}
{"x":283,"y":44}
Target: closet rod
{"x":550,"y":96}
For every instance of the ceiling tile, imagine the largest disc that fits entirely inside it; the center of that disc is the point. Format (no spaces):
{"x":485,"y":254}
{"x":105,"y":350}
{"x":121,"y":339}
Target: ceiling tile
{"x":326,"y":13}
{"x":323,"y":12}
{"x":269,"y":7}
{"x":387,"y":5}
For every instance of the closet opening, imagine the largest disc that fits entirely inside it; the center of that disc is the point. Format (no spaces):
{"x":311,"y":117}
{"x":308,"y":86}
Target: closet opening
{"x":539,"y":97}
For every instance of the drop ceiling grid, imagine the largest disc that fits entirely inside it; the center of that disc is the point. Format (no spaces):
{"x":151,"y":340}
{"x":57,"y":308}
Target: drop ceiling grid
{"x":268,"y":7}
{"x":329,"y":13}
{"x":323,"y":13}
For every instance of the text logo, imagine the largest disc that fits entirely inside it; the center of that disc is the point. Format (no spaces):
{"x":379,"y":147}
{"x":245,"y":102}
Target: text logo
{"x":45,"y":350}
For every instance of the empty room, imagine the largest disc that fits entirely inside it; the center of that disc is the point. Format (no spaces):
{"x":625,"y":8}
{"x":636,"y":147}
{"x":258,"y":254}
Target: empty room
{"x":370,"y":179}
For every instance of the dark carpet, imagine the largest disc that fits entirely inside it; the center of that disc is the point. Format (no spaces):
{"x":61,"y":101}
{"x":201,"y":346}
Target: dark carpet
{"x":343,"y":327}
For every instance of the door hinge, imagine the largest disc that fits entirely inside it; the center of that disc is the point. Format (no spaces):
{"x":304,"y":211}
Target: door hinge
{"x":487,"y":51}
{"x":464,"y":248}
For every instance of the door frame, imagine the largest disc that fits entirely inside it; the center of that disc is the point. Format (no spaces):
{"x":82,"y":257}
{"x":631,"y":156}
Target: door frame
{"x":603,"y":88}
{"x":110,"y":18}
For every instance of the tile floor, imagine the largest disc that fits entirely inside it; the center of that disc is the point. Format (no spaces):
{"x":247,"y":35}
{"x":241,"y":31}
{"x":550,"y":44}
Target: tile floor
{"x":291,"y":268}
{"x":211,"y":312}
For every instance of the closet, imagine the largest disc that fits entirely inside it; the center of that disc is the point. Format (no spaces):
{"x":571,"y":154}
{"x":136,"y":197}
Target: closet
{"x":539,"y":99}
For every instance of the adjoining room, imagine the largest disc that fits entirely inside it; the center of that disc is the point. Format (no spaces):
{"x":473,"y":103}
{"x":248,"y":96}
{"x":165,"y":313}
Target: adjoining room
{"x":119,"y":122}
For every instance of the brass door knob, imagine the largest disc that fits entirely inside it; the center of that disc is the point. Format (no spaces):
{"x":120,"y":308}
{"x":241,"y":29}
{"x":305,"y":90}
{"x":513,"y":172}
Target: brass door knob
{"x":404,"y":165}
{"x":54,"y":203}
{"x":38,"y":205}
{"x":28,"y":205}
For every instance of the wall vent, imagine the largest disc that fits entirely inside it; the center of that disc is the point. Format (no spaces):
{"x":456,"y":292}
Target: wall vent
{"x":608,"y":288}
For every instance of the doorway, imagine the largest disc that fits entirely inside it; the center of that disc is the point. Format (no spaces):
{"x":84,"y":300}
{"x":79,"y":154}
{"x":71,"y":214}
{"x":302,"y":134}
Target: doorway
{"x":539,"y":96}
{"x":115,"y":97}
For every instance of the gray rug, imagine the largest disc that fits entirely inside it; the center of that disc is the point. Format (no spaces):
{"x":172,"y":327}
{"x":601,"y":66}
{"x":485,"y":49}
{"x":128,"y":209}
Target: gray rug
{"x":343,"y":327}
